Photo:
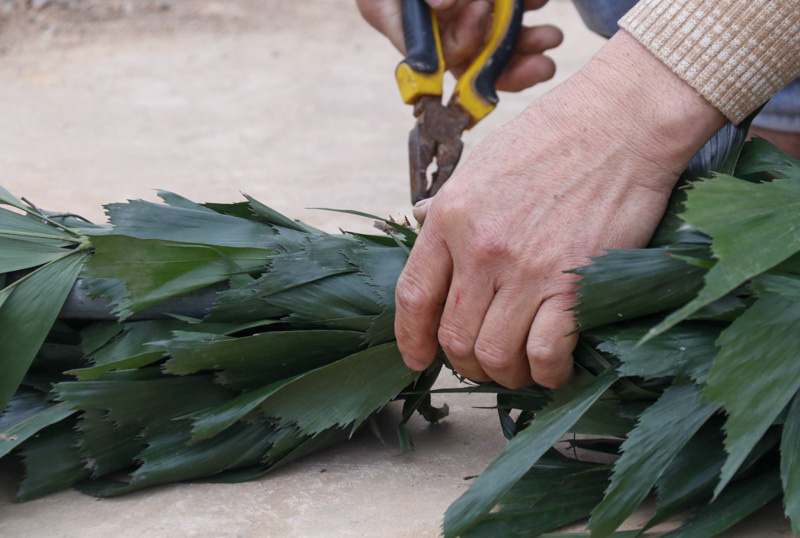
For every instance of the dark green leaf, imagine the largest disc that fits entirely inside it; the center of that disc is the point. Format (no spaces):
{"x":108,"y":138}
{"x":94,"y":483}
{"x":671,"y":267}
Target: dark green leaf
{"x":196,"y":225}
{"x":213,"y":420}
{"x":786,"y":286}
{"x":663,"y":430}
{"x":15,"y":432}
{"x":339,"y":296}
{"x":144,"y":401}
{"x":690,"y":477}
{"x":319,"y":257}
{"x":755,"y":227}
{"x":521,"y":453}
{"x":555,"y":492}
{"x":243,"y":303}
{"x":153,"y":271}
{"x":381,"y":330}
{"x":97,"y":335}
{"x":686,"y":350}
{"x":626,"y":284}
{"x":269,"y":215}
{"x":300,"y":446}
{"x":51,"y":462}
{"x":734,"y":504}
{"x":253,"y":361}
{"x":360,"y":384}
{"x":168,"y":457}
{"x":106,"y":445}
{"x":761,"y":156}
{"x":790,"y":464}
{"x":28,"y":309}
{"x":602,"y":418}
{"x":19,"y":254}
{"x":126,"y":350}
{"x":755,"y":374}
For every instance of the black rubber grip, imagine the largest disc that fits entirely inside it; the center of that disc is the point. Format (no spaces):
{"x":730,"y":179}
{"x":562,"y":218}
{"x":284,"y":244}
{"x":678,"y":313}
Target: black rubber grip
{"x":420,"y":40}
{"x":487,"y":78}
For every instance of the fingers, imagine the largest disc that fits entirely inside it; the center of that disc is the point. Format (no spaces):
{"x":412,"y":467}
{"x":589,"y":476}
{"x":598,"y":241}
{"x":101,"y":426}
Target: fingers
{"x":420,"y":210}
{"x":525,"y":71}
{"x":549,"y":349}
{"x":386,"y":16}
{"x":464,"y":311}
{"x":419,"y":297}
{"x":528,"y":66}
{"x":463,"y":36}
{"x":538,"y":39}
{"x":500,"y":346}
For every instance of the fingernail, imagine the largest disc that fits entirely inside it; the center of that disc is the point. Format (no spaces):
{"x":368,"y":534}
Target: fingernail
{"x":413,"y":364}
{"x":435,"y":3}
{"x":422,"y":203}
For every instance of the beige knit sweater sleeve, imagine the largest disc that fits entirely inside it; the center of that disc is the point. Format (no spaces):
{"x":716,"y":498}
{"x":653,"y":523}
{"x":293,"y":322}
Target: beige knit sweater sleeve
{"x":735,"y":53}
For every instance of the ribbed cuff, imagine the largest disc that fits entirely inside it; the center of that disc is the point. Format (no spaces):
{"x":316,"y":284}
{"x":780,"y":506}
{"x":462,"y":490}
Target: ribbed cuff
{"x":735,"y":53}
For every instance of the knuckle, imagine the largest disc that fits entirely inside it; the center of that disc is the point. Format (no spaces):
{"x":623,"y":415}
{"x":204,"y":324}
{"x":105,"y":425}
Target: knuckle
{"x":544,"y":357}
{"x":565,"y":297}
{"x":410,"y":297}
{"x":490,"y":241}
{"x":454,"y":342}
{"x":448,"y":207}
{"x":492,"y":356}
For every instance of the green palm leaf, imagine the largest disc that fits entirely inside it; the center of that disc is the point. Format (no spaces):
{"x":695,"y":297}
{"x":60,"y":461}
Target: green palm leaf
{"x":521,"y":454}
{"x":28,"y":309}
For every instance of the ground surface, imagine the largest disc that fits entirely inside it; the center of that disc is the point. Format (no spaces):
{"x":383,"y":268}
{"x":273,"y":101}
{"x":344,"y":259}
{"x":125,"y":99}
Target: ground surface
{"x":294,"y":103}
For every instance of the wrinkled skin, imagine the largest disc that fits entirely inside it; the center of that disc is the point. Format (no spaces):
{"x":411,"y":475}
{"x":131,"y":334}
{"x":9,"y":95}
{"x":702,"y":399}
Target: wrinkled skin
{"x":588,"y":167}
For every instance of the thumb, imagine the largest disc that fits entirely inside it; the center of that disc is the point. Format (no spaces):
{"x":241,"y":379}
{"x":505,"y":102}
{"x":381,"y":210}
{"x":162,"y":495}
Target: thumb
{"x":420,"y":210}
{"x":386,"y":16}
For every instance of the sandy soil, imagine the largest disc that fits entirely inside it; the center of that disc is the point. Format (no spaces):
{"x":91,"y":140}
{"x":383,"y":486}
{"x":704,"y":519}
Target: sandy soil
{"x":295,"y":104}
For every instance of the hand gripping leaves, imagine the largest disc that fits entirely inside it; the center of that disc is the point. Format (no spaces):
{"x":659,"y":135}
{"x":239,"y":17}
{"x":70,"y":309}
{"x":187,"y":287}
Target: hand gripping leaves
{"x":688,"y":365}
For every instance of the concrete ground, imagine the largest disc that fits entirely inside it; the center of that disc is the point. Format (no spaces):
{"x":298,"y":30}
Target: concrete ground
{"x":295,"y":104}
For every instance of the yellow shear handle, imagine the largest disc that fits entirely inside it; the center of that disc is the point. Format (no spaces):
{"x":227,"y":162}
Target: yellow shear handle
{"x":422,"y":70}
{"x":475,"y":90}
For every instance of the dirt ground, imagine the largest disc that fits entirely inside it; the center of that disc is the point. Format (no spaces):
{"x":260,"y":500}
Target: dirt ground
{"x":294,"y":103}
{"x":281,"y":100}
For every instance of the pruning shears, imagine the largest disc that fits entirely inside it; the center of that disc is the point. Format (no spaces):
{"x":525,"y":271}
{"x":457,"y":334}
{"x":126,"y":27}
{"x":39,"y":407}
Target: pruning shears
{"x":420,"y":76}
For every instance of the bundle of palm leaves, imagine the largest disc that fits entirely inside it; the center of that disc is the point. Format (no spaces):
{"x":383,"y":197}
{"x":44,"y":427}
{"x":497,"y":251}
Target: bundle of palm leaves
{"x":218,"y":341}
{"x":294,"y":350}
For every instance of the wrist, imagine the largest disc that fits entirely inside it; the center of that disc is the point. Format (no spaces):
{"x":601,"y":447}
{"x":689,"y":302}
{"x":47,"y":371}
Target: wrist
{"x":625,"y":96}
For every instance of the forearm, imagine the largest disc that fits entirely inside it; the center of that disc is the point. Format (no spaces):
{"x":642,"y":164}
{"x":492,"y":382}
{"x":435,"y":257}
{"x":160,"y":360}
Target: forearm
{"x":736,"y":53}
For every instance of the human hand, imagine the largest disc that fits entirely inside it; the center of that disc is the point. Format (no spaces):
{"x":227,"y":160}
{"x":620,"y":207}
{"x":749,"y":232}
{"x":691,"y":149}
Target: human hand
{"x":588,"y":167}
{"x":464,"y":25}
